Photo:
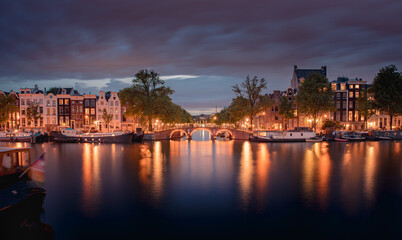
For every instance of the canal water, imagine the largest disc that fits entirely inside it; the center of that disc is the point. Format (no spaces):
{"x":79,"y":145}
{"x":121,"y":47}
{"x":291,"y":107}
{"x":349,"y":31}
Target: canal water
{"x":221,"y":189}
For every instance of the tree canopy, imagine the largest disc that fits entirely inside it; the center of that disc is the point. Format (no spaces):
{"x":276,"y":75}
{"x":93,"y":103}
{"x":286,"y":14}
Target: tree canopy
{"x":33,"y":113}
{"x":107,"y":117}
{"x":8,"y":105}
{"x":365,"y":106}
{"x":52,"y":90}
{"x":315,"y":97}
{"x":249,"y":99}
{"x":286,"y":110}
{"x":387,"y":89}
{"x":148,"y":98}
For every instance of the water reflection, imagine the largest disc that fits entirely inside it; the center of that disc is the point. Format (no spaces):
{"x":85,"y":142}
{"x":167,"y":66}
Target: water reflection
{"x":210,"y":182}
{"x":246,"y":173}
{"x":90,"y":179}
{"x":151,"y":169}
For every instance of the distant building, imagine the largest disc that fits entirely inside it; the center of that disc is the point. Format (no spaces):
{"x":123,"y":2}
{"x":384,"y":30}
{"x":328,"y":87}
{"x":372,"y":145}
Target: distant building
{"x":299,"y":75}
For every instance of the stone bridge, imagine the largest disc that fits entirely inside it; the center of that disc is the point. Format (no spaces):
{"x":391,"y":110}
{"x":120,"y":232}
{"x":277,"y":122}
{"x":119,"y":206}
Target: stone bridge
{"x":213,"y":131}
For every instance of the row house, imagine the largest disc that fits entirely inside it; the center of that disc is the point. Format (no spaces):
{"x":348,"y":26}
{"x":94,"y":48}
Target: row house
{"x":89,"y":107}
{"x":111,"y":103}
{"x":31,"y":97}
{"x":346,"y":94}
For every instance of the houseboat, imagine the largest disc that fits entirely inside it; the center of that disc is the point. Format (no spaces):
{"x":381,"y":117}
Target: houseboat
{"x":296,"y":135}
{"x":75,"y":136}
{"x":19,"y":136}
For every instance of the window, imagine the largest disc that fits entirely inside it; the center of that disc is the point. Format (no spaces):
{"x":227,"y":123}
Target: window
{"x":81,"y":109}
{"x":343,"y":95}
{"x":333,"y":86}
{"x":86,"y":102}
{"x":99,"y":110}
{"x":23,"y":112}
{"x":351,"y":86}
{"x":61,"y":110}
{"x":73,"y":109}
{"x":344,"y":105}
{"x":92,"y":111}
{"x":350,"y":116}
{"x":66,"y":110}
{"x":48,"y":112}
{"x":117,"y":103}
{"x":48,"y":120}
{"x":60,"y":121}
{"x":357,"y":86}
{"x":102,"y":101}
{"x":357,"y":94}
{"x":60,"y":101}
{"x":48,"y":103}
{"x":350,"y":104}
{"x":41,"y":109}
{"x":54,"y":112}
{"x":117,"y":117}
{"x":22,"y":102}
{"x":338,"y":104}
{"x":338,"y":95}
{"x":23,"y":122}
{"x":40,"y":101}
{"x":86,"y":111}
{"x":350,"y":94}
{"x":54,"y":103}
{"x":81,"y":102}
{"x":343,"y":86}
{"x":66,"y":101}
{"x":93,"y":102}
{"x":356,"y":116}
{"x":111,"y":103}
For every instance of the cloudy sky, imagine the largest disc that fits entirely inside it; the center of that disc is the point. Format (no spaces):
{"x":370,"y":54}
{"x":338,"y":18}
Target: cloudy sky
{"x":201,"y":48}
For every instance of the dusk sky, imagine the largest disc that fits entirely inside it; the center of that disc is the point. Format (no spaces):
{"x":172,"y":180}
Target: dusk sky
{"x":201,"y":48}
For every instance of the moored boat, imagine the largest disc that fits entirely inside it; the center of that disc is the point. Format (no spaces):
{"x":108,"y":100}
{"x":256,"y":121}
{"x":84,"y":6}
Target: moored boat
{"x":72,"y":135}
{"x":353,"y":136}
{"x":340,"y":139}
{"x":19,"y":136}
{"x":314,"y":139}
{"x":296,"y":135}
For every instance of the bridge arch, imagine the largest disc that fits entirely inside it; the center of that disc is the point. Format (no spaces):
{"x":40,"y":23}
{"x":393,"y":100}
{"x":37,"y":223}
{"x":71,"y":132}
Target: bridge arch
{"x":202,"y":128}
{"x":179,"y":130}
{"x":224,"y":130}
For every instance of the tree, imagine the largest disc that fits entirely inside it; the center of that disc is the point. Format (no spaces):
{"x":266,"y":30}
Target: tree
{"x":107,"y":118}
{"x":33,"y":113}
{"x":8,"y":106}
{"x":330,"y":124}
{"x":147,"y":98}
{"x":250,"y":101}
{"x":53,"y":90}
{"x":286,"y":110}
{"x":315,"y":97}
{"x":387,"y":89}
{"x":365,"y":106}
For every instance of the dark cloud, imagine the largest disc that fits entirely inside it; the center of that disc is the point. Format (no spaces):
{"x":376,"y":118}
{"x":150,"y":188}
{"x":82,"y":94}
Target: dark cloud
{"x":99,"y":39}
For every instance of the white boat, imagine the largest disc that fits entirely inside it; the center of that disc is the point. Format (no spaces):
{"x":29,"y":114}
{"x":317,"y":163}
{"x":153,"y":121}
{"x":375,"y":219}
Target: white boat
{"x":353,"y":136}
{"x":297,"y":135}
{"x":314,"y":139}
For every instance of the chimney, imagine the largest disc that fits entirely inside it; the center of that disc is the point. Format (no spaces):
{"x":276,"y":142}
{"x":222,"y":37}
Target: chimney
{"x":295,"y":67}
{"x":324,"y":69}
{"x":45,"y":90}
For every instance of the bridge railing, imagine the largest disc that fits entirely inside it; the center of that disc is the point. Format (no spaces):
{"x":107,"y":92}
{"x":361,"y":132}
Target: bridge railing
{"x":198,"y":125}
